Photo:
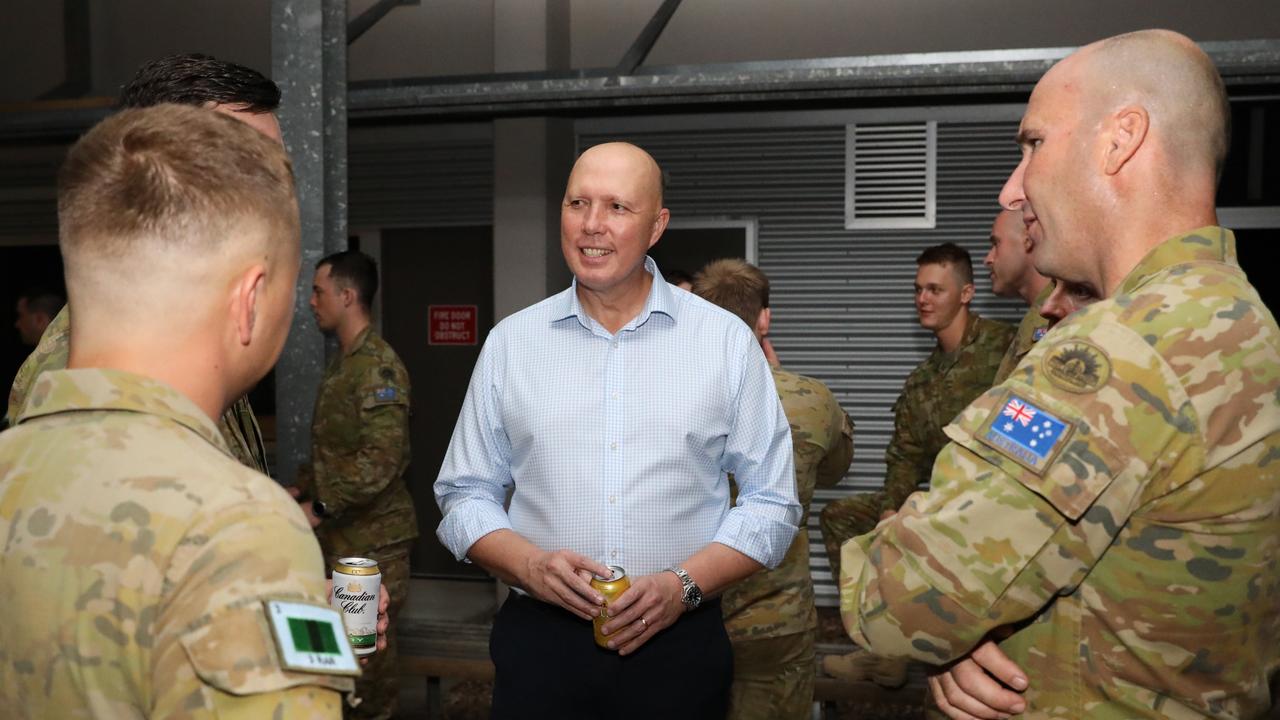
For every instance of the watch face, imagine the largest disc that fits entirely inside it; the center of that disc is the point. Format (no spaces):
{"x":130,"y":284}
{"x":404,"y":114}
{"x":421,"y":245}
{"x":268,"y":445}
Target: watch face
{"x":693,"y":597}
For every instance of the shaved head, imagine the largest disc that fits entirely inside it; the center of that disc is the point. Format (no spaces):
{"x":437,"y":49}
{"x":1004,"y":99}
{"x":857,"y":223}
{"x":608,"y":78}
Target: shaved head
{"x":1177,"y":83}
{"x":1122,"y":146}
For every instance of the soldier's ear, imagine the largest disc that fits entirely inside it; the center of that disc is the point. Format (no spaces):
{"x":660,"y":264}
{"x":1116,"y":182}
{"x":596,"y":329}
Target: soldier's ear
{"x":762,"y":322}
{"x":247,"y":292}
{"x":966,"y":293}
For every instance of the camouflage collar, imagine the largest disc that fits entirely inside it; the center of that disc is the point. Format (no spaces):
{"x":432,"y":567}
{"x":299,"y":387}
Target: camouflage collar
{"x":59,"y":391}
{"x":1206,"y":244}
{"x":361,"y":338}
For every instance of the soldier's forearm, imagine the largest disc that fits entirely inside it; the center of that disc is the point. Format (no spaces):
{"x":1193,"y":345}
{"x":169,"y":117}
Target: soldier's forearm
{"x":902,"y":479}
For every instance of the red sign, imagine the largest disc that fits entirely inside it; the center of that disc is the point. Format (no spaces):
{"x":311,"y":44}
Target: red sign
{"x":452,"y":324}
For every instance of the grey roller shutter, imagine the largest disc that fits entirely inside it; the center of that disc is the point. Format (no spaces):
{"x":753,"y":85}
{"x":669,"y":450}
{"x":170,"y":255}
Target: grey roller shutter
{"x":842,"y":299}
{"x":421,"y":177}
{"x":28,"y":193}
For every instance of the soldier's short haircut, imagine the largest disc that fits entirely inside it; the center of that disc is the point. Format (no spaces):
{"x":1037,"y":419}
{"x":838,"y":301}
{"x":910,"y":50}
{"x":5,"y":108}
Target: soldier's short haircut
{"x":195,"y":79}
{"x":950,"y":255}
{"x":353,"y":269}
{"x":735,"y":285}
{"x":170,"y":177}
{"x":43,"y":300}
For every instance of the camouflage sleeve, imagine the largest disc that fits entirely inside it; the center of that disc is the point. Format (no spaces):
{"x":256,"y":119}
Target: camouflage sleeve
{"x":214,"y":654}
{"x":905,"y":459}
{"x":304,"y":481}
{"x":1010,"y":524}
{"x":835,"y":463}
{"x":50,"y":354}
{"x":346,"y":482}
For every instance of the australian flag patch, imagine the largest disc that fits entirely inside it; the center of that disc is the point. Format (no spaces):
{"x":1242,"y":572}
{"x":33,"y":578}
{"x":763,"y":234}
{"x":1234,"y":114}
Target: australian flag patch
{"x":1038,"y":333}
{"x":385,"y":395}
{"x":1028,"y":435}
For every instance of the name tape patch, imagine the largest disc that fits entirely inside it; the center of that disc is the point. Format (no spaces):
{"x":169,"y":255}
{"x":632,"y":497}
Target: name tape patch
{"x":311,"y":638}
{"x":385,"y":394}
{"x":1028,"y":435}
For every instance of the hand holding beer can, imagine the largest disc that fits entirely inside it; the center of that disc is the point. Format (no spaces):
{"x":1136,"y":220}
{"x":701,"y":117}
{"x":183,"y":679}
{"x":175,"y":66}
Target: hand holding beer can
{"x":611,"y":588}
{"x":357,"y":583}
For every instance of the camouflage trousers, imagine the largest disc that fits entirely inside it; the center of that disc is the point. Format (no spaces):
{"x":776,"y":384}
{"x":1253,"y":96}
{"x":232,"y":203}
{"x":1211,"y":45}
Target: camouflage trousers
{"x":772,"y":678}
{"x":378,"y":686}
{"x":847,"y":518}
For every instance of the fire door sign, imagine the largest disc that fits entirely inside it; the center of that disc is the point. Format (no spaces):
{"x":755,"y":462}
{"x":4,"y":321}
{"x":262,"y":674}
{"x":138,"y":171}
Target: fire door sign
{"x":452,"y":325}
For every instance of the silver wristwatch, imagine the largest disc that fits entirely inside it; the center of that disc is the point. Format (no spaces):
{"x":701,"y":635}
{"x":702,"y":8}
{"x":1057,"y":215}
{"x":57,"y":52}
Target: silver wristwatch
{"x":692,"y":596}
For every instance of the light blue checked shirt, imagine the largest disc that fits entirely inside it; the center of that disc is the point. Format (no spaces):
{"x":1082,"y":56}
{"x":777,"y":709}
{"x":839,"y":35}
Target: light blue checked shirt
{"x":618,"y":445}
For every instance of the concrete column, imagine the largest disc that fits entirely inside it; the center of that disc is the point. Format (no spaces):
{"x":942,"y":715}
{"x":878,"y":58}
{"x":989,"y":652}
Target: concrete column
{"x":532,"y":159}
{"x":309,"y":62}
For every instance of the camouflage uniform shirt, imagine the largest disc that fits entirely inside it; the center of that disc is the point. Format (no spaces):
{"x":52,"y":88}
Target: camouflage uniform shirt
{"x":238,"y":425}
{"x":360,"y":449}
{"x":935,"y":392}
{"x":773,"y":603}
{"x":1135,"y":554}
{"x":1031,"y":329}
{"x":137,"y":557}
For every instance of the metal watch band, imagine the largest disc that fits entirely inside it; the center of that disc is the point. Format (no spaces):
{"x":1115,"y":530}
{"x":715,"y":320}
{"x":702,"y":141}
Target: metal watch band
{"x":692,"y":595}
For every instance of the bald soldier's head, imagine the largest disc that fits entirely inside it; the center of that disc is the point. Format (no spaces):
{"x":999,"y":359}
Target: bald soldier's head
{"x":179,"y":231}
{"x":1122,"y":142}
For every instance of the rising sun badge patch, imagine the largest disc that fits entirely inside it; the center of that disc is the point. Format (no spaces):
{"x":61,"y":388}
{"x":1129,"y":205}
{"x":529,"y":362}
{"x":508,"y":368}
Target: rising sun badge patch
{"x":1077,"y":366}
{"x":1026,"y":434}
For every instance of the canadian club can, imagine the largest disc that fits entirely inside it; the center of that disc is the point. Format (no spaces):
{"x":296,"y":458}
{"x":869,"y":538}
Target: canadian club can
{"x":611,"y":588}
{"x":356,"y":585}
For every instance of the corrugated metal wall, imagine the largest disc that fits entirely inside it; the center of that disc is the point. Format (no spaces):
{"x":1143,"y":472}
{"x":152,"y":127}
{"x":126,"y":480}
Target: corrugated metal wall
{"x":28,"y":193}
{"x":842,"y":299}
{"x":421,"y":176}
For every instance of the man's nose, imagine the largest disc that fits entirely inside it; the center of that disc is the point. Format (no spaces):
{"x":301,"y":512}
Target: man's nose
{"x":593,"y":220}
{"x":1012,"y":195}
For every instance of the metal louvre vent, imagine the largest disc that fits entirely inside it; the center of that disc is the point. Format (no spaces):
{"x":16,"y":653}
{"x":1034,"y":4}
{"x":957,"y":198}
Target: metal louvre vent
{"x":841,"y":298}
{"x":890,"y":178}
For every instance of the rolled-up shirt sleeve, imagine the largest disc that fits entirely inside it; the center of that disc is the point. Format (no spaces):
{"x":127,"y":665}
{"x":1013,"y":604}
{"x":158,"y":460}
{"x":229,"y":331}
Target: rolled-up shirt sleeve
{"x":476,"y":475}
{"x":763,"y":523}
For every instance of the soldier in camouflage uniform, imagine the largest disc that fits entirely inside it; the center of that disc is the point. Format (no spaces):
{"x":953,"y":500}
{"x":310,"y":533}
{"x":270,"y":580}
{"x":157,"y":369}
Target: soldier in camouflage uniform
{"x":139,"y":554}
{"x":199,"y":80}
{"x":1014,"y":275}
{"x":1110,"y":515}
{"x":770,"y":616}
{"x":353,"y":488}
{"x":960,"y":367}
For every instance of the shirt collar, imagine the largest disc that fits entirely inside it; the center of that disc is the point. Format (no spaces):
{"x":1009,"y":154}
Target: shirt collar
{"x":1206,"y":244}
{"x":59,"y":391}
{"x":660,"y":300}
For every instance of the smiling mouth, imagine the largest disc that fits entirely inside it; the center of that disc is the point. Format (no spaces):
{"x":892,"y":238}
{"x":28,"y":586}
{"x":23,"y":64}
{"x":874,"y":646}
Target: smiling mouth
{"x":596,"y":252}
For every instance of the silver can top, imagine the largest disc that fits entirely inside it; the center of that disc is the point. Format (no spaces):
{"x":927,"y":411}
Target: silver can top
{"x":356,"y":566}
{"x":616,"y":574}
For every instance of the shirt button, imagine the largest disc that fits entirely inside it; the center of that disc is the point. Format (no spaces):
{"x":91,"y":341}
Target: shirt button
{"x":615,"y":344}
{"x":613,"y":446}
{"x":613,"y":499}
{"x":614,"y":555}
{"x":614,"y":396}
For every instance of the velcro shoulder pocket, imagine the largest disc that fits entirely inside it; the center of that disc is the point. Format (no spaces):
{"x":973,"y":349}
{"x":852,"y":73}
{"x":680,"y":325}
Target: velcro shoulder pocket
{"x":1047,"y":446}
{"x":234,"y":652}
